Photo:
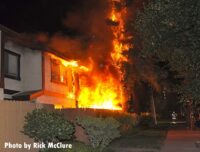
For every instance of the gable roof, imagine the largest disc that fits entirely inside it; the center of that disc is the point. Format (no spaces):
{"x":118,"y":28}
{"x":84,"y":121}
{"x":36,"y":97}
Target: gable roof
{"x":21,"y":39}
{"x":29,"y":42}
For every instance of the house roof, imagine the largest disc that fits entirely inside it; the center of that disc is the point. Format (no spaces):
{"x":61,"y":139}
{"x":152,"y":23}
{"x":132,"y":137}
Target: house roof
{"x":21,"y":39}
{"x":26,"y":95}
{"x":29,"y":42}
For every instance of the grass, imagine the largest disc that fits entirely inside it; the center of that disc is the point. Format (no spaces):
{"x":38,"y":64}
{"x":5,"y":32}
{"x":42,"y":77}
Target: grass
{"x":142,"y":138}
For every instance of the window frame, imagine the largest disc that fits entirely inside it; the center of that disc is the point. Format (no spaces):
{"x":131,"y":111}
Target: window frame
{"x":6,"y":62}
{"x":54,"y":80}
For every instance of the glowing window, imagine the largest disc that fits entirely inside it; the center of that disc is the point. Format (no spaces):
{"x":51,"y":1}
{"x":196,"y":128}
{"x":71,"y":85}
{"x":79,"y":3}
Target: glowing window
{"x":58,"y":72}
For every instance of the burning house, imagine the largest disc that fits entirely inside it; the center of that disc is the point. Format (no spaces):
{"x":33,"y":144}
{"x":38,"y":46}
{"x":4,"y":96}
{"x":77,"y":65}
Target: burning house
{"x":30,"y":71}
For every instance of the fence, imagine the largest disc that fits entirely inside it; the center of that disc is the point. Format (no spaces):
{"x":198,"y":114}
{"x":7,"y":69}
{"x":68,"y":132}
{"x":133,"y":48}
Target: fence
{"x":12,"y":120}
{"x":11,"y":123}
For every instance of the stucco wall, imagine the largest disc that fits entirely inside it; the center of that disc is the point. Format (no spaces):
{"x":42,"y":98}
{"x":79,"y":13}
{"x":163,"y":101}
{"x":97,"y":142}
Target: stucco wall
{"x":30,"y":69}
{"x":56,"y":93}
{"x":49,"y":85}
{"x":64,"y":102}
{"x":1,"y":94}
{"x":1,"y":89}
{"x":0,"y":48}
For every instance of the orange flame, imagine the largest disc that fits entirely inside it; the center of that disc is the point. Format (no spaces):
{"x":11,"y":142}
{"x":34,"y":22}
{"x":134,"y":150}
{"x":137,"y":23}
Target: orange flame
{"x":104,"y":94}
{"x":108,"y":93}
{"x":98,"y":93}
{"x":102,"y":90}
{"x":119,"y":48}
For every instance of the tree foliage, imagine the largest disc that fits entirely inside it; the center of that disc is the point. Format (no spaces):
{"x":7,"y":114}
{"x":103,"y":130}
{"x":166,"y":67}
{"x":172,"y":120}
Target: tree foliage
{"x":170,"y":30}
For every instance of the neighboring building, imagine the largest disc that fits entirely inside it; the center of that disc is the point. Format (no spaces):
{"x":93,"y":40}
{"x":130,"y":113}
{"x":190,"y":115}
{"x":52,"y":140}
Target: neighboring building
{"x":30,"y":72}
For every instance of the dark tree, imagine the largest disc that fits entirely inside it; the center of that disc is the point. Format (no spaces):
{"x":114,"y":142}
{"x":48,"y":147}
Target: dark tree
{"x":170,"y":30}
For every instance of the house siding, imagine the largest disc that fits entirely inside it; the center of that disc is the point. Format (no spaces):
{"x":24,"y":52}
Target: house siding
{"x":30,"y":69}
{"x":1,"y":49}
{"x":54,"y":93}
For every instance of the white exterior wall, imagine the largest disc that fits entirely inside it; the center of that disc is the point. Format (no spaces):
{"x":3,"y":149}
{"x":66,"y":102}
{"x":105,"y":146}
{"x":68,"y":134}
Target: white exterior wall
{"x":62,"y":102}
{"x":1,"y":89}
{"x":49,"y":85}
{"x":30,"y":69}
{"x":57,"y":93}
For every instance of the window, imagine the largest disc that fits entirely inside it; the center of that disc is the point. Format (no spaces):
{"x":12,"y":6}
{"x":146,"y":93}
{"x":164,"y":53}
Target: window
{"x":58,"y":72}
{"x":12,"y":65}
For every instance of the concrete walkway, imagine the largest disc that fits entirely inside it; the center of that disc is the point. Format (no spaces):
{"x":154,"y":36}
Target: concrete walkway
{"x":181,"y":141}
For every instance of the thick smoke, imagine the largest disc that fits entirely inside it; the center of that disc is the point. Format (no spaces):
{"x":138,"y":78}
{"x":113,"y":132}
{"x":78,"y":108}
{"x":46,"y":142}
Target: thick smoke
{"x":91,"y":39}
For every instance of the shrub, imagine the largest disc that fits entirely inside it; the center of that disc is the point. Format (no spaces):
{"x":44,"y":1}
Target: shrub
{"x":101,"y":131}
{"x":122,"y":117}
{"x":45,"y":126}
{"x":146,"y":121}
{"x":127,"y":121}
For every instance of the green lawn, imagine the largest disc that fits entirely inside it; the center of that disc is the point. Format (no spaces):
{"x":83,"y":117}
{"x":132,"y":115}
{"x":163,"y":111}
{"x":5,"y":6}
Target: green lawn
{"x":141,"y":138}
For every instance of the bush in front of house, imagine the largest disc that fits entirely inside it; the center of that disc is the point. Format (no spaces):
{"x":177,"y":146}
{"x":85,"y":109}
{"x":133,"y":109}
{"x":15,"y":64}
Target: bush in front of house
{"x":146,"y":121}
{"x":128,"y":121}
{"x":122,"y":117}
{"x":101,"y":131}
{"x":46,"y":126}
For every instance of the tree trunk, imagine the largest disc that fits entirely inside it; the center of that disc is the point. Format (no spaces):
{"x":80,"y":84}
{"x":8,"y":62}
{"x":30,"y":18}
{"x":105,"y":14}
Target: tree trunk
{"x":153,"y":109}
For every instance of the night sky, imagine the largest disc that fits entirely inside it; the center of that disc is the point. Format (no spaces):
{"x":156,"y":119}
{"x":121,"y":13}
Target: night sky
{"x":50,"y":16}
{"x":64,"y":25}
{"x":38,"y":15}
